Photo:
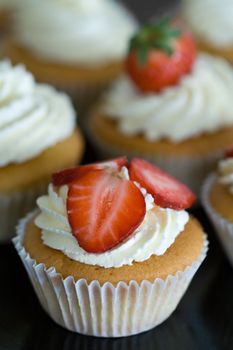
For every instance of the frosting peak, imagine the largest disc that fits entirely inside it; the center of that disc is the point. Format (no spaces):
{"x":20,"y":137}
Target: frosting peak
{"x":154,"y":236}
{"x":89,"y":32}
{"x":28,"y":113}
{"x":201,"y":102}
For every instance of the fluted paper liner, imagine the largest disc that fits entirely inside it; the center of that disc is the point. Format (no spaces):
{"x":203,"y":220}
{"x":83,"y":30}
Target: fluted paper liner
{"x":223,"y":227}
{"x":192,"y":170}
{"x":105,"y":310}
{"x":15,"y":205}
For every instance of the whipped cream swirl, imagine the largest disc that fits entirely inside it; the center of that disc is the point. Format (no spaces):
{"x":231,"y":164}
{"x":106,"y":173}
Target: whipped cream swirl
{"x":201,"y":102}
{"x":154,"y":236}
{"x":33,"y":116}
{"x":89,"y":32}
{"x":210,"y":20}
{"x":225,"y":170}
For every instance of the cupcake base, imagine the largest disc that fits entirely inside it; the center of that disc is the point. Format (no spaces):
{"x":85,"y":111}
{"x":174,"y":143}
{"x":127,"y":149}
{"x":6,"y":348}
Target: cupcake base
{"x":21,"y":184}
{"x":224,"y":52}
{"x":190,"y":161}
{"x":218,"y":203}
{"x":108,"y":308}
{"x":18,"y":177}
{"x":16,"y":205}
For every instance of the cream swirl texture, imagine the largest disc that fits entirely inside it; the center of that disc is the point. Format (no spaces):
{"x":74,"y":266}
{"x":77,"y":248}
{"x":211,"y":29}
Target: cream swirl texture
{"x":33,"y":116}
{"x":225,"y":170}
{"x":210,"y":20}
{"x":154,"y":236}
{"x":89,"y":32}
{"x":201,"y":102}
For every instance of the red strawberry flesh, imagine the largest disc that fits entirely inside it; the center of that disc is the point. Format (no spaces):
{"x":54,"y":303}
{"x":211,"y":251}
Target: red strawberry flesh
{"x":166,"y":190}
{"x":103,"y":210}
{"x":66,"y":176}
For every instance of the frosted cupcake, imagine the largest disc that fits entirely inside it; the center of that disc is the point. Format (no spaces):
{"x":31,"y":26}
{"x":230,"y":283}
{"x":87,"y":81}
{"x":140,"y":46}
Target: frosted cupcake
{"x":171,"y":106}
{"x":111,"y":250}
{"x":217,"y":198}
{"x":37,"y":136}
{"x":211,"y":22}
{"x":77,"y":45}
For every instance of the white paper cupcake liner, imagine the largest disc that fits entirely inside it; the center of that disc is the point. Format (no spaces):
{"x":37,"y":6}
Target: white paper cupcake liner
{"x":223,"y":227}
{"x":105,"y":310}
{"x":15,"y":205}
{"x":191,"y":170}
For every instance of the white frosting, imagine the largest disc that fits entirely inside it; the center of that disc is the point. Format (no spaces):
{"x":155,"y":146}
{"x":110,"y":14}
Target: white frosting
{"x":225,"y":167}
{"x":33,"y":116}
{"x":201,"y":102}
{"x":89,"y":32}
{"x":210,"y":20}
{"x":154,"y":236}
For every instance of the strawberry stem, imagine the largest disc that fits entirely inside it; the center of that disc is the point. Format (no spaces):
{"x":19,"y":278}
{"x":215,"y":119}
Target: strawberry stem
{"x":158,"y":35}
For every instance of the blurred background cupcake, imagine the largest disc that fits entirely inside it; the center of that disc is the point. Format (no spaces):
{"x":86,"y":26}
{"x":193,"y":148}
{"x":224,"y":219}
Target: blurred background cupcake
{"x":217,"y":198}
{"x":211,"y":22}
{"x":171,"y":106}
{"x":76,"y":45}
{"x":37,"y":136}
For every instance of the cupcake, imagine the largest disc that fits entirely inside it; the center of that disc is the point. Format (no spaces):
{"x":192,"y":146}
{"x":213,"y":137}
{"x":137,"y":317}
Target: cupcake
{"x":211,"y":22}
{"x":111,"y":250}
{"x":37,"y":136}
{"x":217,"y":199}
{"x":171,"y":106}
{"x":76,"y":45}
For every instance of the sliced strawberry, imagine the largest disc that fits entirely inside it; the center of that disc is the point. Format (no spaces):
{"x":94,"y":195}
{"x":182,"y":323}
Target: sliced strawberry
{"x":66,"y":176}
{"x":229,"y":152}
{"x":103,"y":210}
{"x":116,"y":163}
{"x":166,"y":190}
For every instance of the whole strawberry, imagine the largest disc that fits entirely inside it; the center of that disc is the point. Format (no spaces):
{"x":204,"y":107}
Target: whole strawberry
{"x":159,"y":55}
